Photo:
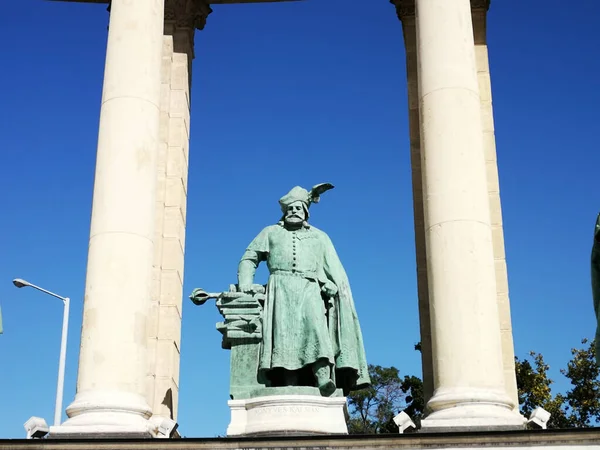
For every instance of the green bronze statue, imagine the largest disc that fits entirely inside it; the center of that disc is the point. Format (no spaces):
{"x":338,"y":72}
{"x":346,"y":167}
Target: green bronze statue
{"x":596,"y":283}
{"x":309,"y":332}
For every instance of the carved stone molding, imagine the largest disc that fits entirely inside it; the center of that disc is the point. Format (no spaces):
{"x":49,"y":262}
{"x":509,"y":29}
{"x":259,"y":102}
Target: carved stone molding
{"x":480,"y":5}
{"x":189,"y":14}
{"x":404,"y":8}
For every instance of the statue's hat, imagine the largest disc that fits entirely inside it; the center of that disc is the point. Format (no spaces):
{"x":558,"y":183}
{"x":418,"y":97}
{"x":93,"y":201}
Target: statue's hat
{"x":302,"y":195}
{"x":296,"y":194}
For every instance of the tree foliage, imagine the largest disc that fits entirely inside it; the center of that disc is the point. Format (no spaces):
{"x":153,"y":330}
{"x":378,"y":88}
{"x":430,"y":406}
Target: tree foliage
{"x":579,"y":406}
{"x":372,"y":410}
{"x":583,"y":399}
{"x":534,"y":389}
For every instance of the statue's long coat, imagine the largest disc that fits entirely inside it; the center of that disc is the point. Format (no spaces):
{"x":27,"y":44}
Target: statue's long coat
{"x":299,"y":326}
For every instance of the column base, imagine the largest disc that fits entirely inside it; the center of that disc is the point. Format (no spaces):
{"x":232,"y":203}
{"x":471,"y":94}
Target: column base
{"x":466,"y":409}
{"x":106,"y":415}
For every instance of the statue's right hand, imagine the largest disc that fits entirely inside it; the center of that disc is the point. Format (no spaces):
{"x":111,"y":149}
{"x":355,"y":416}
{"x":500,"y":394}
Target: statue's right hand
{"x":251,"y":289}
{"x":245,"y":288}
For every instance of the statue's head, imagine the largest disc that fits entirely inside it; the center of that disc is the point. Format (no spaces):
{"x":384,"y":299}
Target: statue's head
{"x":294,"y":206}
{"x":296,"y":213}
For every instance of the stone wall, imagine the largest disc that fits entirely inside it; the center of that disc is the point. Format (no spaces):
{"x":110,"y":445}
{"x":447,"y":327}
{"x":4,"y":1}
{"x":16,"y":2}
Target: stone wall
{"x":167,"y":292}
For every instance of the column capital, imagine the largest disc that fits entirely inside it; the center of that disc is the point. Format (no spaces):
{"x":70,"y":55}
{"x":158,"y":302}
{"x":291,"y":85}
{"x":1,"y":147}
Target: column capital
{"x":480,"y":5}
{"x":406,"y":8}
{"x":189,"y":14}
{"x":479,"y":10}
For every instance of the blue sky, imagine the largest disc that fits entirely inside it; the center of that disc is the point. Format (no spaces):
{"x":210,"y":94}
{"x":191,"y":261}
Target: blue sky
{"x":286,"y":94}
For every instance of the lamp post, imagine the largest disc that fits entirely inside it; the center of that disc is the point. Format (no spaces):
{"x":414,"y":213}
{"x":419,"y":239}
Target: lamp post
{"x":63,"y":346}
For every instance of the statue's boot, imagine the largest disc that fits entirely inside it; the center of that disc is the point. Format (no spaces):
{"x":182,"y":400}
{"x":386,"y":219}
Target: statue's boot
{"x":322,"y":373}
{"x":291,"y":378}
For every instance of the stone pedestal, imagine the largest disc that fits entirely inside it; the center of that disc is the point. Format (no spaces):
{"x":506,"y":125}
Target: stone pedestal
{"x":278,"y":415}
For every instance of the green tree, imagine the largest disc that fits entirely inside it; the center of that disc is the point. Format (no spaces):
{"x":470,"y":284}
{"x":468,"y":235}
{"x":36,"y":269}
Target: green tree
{"x":534,"y":390}
{"x":583,"y":400}
{"x":579,"y":406}
{"x":372,"y":410}
{"x":414,"y":406}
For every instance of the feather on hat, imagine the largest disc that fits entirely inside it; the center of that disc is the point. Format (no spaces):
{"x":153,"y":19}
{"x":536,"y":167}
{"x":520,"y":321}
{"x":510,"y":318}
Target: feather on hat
{"x":299,"y":194}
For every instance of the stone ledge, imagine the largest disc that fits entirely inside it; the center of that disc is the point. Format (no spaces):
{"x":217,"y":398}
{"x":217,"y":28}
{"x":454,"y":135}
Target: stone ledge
{"x":587,"y":438}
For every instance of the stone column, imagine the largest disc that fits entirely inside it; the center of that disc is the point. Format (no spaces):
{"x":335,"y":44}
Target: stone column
{"x":406,"y":13}
{"x":467,"y":351}
{"x":479,"y":10}
{"x":111,"y":388}
{"x":164,"y":340}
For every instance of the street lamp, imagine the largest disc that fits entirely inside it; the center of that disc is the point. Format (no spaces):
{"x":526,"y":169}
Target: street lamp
{"x":63,"y":346}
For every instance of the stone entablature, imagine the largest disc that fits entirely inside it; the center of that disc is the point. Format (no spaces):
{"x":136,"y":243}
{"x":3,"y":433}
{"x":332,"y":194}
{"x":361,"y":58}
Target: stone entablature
{"x":580,"y":439}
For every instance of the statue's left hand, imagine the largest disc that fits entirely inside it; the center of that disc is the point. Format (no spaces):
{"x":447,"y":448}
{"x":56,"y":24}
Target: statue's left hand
{"x":329,"y":289}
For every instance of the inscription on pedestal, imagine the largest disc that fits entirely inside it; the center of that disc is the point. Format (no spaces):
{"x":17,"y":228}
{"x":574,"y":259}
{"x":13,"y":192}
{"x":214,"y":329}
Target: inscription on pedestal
{"x":286,"y":410}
